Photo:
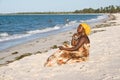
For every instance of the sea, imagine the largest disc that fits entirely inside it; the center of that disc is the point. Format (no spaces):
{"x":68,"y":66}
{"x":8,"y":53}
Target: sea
{"x":18,"y":29}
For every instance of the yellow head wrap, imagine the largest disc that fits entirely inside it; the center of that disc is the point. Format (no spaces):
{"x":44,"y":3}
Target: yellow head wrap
{"x":86,"y":27}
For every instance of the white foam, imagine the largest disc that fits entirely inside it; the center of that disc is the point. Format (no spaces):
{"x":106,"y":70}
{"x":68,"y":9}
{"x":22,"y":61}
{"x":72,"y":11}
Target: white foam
{"x":11,"y":37}
{"x":4,"y":34}
{"x":102,"y":17}
{"x":43,"y":30}
{"x":71,"y":23}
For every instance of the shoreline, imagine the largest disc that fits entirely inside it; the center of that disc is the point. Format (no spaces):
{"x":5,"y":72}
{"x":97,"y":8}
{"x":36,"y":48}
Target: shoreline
{"x":12,"y":40}
{"x":103,"y":63}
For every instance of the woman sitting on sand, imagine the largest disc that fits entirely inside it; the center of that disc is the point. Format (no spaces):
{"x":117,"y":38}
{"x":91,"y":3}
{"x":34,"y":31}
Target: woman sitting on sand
{"x":76,"y":52}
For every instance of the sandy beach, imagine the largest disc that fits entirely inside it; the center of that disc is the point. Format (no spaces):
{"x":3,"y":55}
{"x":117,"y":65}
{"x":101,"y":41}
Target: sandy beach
{"x":103,"y":63}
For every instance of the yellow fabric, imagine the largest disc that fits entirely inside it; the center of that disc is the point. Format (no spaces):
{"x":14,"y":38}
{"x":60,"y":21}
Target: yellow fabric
{"x":86,"y":27}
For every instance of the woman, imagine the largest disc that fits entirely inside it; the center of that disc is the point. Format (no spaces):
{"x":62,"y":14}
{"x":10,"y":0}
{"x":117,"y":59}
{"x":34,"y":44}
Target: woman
{"x":77,"y":52}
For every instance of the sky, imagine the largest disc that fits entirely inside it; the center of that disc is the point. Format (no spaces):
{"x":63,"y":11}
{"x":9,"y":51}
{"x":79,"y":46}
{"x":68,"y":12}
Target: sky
{"x":12,"y":6}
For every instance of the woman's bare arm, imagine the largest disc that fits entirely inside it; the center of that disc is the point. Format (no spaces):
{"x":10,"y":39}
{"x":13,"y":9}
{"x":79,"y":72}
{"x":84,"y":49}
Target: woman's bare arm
{"x":81,"y":41}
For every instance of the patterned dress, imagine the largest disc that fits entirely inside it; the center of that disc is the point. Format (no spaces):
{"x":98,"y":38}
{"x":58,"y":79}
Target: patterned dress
{"x":66,"y":57}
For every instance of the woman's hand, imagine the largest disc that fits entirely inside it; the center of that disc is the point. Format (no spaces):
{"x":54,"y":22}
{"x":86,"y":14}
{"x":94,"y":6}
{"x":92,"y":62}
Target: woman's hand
{"x":61,"y":47}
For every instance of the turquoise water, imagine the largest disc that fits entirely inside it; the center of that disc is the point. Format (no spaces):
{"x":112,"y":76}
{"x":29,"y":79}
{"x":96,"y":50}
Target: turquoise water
{"x":16,"y":29}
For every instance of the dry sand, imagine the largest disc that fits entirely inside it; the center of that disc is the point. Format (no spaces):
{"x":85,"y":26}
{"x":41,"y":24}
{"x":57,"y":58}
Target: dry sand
{"x":103,"y":63}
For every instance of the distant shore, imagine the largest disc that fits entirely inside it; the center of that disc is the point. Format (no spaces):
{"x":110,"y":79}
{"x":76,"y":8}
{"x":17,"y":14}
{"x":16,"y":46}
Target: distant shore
{"x":67,"y":13}
{"x":108,"y":9}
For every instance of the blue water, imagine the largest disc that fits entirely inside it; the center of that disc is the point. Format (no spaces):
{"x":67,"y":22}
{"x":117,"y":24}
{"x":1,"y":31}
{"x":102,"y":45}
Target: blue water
{"x":16,"y":29}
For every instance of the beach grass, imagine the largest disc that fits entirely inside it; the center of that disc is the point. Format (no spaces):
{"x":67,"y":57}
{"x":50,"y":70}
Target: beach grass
{"x":22,"y":56}
{"x":15,"y":52}
{"x":54,"y":47}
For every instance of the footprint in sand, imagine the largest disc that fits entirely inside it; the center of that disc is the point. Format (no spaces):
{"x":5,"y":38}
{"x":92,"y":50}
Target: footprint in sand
{"x":82,"y":66}
{"x":109,"y":77}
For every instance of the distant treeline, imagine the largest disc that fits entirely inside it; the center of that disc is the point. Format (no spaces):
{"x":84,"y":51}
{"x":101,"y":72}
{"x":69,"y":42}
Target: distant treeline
{"x":109,"y":9}
{"x":45,"y":13}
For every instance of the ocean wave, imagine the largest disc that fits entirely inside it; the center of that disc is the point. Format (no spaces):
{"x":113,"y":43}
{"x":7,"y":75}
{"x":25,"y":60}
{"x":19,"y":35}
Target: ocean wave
{"x":4,"y":34}
{"x":43,"y":30}
{"x":71,"y":23}
{"x":11,"y":37}
{"x":99,"y":18}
